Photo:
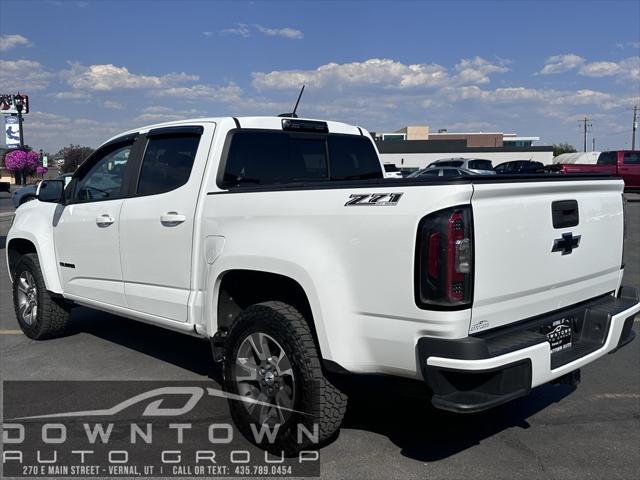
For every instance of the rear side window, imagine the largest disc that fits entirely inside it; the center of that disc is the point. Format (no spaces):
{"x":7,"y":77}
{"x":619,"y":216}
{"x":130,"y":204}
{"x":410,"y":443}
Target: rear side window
{"x":631,"y":158}
{"x":273,"y":157}
{"x":450,"y":163}
{"x":480,"y":164}
{"x":450,"y":172}
{"x":389,"y":167}
{"x":353,"y":158}
{"x":607,"y":158}
{"x":167,"y":163}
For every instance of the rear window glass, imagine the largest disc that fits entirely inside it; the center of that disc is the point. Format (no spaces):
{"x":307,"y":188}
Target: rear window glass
{"x":449,"y":163}
{"x":389,"y":167}
{"x":274,"y":157}
{"x":607,"y":158}
{"x":631,"y":158}
{"x":480,"y":164}
{"x":450,"y":172}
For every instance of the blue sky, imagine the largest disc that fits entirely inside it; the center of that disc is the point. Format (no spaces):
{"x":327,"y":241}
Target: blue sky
{"x":95,"y":68}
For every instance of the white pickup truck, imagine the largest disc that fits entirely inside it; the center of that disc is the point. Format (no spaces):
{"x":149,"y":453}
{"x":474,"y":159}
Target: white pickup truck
{"x":279,"y":241}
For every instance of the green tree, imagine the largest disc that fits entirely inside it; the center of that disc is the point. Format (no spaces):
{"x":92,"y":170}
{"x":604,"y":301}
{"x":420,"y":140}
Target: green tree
{"x":73,"y":156}
{"x":563,"y":148}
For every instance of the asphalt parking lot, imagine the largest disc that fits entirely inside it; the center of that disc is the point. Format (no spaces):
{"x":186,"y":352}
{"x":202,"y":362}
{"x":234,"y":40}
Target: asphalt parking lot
{"x":557,"y":432}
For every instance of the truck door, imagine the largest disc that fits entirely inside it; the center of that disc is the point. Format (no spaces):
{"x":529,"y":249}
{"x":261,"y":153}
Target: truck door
{"x":157,"y":221}
{"x":87,"y":228}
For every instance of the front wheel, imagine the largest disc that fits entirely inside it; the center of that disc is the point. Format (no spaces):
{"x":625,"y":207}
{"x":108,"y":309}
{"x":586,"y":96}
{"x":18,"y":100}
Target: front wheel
{"x":273,"y":370}
{"x":39,"y":314}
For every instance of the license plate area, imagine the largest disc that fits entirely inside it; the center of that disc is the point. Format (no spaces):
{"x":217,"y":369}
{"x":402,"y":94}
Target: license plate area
{"x":559,"y":334}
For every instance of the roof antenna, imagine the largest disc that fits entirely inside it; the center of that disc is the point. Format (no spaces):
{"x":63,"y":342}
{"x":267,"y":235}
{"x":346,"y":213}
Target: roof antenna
{"x":293,"y":114}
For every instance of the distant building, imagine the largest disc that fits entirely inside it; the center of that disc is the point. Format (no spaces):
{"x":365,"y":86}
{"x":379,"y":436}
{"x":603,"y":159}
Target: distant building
{"x":414,"y":147}
{"x":473,"y":139}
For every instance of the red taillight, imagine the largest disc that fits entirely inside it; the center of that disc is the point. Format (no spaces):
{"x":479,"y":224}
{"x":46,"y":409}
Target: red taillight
{"x":454,"y":279}
{"x":433,"y":245}
{"x":445,"y":277}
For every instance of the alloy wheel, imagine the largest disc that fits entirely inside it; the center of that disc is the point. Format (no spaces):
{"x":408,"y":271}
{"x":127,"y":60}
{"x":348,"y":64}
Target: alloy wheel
{"x":27,"y":297}
{"x":264,"y":376}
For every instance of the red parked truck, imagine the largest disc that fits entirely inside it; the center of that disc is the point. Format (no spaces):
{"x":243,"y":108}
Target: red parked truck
{"x":619,"y":163}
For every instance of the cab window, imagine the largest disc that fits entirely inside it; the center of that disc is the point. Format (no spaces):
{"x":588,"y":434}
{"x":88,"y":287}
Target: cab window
{"x":167,"y":163}
{"x":104,"y":177}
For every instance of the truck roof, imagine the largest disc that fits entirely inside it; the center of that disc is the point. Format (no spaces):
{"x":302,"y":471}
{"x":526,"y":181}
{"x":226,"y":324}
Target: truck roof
{"x":263,"y":122}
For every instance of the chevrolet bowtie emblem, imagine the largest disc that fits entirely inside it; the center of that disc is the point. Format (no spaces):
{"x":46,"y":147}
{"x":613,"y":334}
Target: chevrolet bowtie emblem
{"x":566,"y":244}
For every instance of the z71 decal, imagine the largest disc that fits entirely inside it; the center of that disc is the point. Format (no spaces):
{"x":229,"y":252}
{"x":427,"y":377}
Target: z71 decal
{"x":373,"y":199}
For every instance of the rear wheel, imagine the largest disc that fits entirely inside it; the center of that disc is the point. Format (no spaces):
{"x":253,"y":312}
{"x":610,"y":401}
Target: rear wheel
{"x":39,"y":315}
{"x":274,"y":368}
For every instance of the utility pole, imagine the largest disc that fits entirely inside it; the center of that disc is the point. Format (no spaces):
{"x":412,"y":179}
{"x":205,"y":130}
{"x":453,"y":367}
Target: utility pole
{"x":634,"y":128}
{"x":593,"y":144}
{"x":585,"y":127}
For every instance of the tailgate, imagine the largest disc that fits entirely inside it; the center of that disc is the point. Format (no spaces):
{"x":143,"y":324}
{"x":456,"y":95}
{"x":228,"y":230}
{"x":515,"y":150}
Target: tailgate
{"x":518,"y":274}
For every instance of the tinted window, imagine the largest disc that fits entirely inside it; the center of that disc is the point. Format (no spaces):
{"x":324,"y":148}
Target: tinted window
{"x":480,"y":164}
{"x":631,"y":158}
{"x":502,"y":167}
{"x":450,"y":172}
{"x":449,"y":163}
{"x":272,"y":157}
{"x":103,"y":180}
{"x":390,"y":167}
{"x":432,"y":173}
{"x":167,"y":163}
{"x":353,"y":158}
{"x":607,"y":158}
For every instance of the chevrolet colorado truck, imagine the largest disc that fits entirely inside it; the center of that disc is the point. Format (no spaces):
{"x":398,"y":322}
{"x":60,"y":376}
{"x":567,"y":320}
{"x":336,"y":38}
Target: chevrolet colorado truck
{"x":279,"y":241}
{"x":621,"y":163}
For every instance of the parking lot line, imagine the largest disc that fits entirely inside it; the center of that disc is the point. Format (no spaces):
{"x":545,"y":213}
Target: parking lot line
{"x":10,"y":332}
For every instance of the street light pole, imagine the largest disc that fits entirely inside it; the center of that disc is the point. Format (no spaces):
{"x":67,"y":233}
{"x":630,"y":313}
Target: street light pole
{"x":19,"y":101}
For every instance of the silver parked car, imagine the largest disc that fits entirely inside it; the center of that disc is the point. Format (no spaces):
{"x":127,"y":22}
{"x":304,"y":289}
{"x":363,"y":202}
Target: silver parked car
{"x":475,"y":165}
{"x":441,"y":172}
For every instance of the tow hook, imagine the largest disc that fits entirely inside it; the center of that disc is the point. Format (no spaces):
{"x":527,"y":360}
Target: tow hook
{"x":571,"y":378}
{"x":219,"y":345}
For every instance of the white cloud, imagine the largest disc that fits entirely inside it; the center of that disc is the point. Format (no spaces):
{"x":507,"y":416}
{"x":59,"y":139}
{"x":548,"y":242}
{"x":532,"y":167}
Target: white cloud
{"x":23,"y":75}
{"x":113,"y":105}
{"x":477,"y":70}
{"x":628,"y":68}
{"x":245,"y":30}
{"x":375,"y":71}
{"x":241,"y":29}
{"x":7,"y":42}
{"x":159,"y":114}
{"x":77,"y":96}
{"x":212,"y":93}
{"x":111,"y":77}
{"x":561,"y":63}
{"x":286,"y":32}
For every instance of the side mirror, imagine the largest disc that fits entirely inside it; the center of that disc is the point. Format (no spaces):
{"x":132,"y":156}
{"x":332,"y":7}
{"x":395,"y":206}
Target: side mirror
{"x":51,"y":191}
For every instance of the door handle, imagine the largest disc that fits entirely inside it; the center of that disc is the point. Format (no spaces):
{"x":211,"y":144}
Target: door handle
{"x":171,"y":219}
{"x":104,"y":220}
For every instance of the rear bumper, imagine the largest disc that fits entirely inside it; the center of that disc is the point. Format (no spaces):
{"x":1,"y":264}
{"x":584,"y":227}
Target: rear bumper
{"x":483,"y":371}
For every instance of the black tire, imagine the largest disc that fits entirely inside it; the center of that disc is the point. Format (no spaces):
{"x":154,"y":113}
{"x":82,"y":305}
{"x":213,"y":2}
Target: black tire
{"x":316,"y":400}
{"x":26,"y":198}
{"x":51,"y":316}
